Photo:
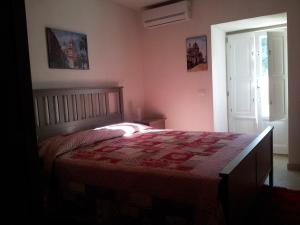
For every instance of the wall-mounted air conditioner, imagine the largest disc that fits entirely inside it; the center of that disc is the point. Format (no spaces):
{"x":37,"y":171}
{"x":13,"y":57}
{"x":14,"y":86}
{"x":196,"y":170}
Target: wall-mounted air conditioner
{"x":166,"y":14}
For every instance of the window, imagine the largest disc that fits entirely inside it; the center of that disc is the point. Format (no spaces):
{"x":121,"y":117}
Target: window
{"x":263,"y":56}
{"x":263,"y":75}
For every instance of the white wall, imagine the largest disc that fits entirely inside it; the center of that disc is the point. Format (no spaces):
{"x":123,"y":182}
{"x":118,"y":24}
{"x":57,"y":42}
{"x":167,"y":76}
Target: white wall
{"x":114,"y":46}
{"x":280,"y":135}
{"x":186,"y":98}
{"x":219,"y":89}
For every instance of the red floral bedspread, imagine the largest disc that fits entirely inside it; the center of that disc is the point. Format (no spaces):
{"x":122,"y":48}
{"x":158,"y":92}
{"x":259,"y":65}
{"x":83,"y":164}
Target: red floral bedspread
{"x":173,"y":150}
{"x":169,"y":164}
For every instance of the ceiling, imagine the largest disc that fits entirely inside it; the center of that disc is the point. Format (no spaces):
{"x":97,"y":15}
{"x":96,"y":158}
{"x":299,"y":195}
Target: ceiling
{"x":137,"y":4}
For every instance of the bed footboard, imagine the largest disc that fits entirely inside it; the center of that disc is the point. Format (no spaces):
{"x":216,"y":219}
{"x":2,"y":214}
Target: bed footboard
{"x":244,"y":175}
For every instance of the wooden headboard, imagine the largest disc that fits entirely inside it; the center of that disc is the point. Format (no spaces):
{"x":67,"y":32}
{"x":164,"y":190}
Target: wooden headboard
{"x":61,"y":111}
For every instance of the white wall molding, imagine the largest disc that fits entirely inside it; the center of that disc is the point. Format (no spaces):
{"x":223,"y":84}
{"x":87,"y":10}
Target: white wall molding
{"x":280,"y":149}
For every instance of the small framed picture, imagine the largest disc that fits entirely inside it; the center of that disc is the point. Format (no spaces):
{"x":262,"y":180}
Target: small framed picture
{"x":196,"y":53}
{"x":67,"y":50}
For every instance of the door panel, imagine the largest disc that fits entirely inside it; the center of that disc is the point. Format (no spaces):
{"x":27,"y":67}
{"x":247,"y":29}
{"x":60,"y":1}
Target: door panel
{"x":277,"y":47}
{"x":277,"y":98}
{"x":241,"y":50}
{"x":244,"y":125}
{"x":240,"y":73}
{"x":276,"y":53}
{"x":242,"y":104}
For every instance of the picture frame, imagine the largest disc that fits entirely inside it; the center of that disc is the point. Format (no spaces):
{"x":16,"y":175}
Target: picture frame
{"x":196,"y":53}
{"x":66,"y":49}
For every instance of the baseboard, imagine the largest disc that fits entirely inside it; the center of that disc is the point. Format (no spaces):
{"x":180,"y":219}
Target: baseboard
{"x":293,"y":166}
{"x":280,"y":149}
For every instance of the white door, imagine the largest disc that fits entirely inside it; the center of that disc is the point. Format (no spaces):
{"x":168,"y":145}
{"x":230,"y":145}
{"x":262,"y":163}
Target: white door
{"x":241,"y":83}
{"x":277,"y":46}
{"x":278,"y":90}
{"x":271,"y":72}
{"x":257,"y":84}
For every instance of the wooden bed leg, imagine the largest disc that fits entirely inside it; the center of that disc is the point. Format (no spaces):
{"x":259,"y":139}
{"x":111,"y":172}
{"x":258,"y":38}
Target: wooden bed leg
{"x":271,"y":171}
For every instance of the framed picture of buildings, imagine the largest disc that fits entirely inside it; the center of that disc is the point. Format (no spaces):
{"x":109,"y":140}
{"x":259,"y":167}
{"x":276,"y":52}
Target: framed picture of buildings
{"x":196,"y":53}
{"x":67,"y":50}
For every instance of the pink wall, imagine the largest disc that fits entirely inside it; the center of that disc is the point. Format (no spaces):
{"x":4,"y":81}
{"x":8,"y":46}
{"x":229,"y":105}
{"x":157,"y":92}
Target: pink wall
{"x":185,"y":99}
{"x":151,"y":64}
{"x":114,"y":46}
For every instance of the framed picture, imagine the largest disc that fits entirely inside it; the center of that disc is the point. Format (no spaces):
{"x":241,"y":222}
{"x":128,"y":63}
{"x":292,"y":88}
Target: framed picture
{"x":67,"y":50}
{"x":196,"y":53}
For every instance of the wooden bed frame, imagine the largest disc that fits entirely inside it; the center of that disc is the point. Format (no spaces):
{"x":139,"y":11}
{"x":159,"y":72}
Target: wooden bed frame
{"x":59,"y":111}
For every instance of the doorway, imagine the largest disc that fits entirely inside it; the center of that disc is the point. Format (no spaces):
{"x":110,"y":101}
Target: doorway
{"x":254,"y":78}
{"x":257,"y":83}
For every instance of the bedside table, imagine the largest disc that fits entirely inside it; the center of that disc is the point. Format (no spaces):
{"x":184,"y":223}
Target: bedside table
{"x":157,"y":123}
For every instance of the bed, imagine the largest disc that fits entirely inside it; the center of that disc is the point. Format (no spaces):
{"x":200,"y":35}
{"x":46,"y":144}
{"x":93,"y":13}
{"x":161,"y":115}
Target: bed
{"x":235,"y":182}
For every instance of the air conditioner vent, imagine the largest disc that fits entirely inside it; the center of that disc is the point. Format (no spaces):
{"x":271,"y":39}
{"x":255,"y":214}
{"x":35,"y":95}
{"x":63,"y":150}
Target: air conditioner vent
{"x":166,"y":14}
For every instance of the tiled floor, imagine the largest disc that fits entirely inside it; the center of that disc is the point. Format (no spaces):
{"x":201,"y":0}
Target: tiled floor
{"x":284,"y":177}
